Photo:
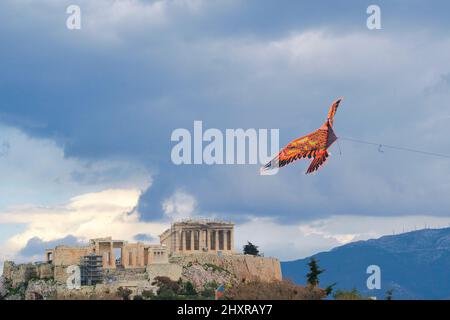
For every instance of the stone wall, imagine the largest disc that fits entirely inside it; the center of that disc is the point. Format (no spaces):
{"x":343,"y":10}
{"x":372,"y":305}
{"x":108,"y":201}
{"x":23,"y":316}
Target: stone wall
{"x":66,"y":256}
{"x":244,"y":267}
{"x":60,"y":274}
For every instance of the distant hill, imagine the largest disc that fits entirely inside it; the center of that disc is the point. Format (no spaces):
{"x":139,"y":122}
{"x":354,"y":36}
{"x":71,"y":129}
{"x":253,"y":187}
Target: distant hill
{"x":415,"y":264}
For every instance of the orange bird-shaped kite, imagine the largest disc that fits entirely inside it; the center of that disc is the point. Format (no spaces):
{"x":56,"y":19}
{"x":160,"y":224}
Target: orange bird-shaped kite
{"x":313,"y":145}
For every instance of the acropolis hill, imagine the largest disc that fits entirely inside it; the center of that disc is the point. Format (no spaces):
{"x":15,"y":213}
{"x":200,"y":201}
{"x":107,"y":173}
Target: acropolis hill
{"x":198,"y":251}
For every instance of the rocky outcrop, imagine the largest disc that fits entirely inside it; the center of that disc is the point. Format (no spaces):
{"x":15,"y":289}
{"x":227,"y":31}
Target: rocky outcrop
{"x":4,"y":287}
{"x":40,"y":290}
{"x":18,"y":274}
{"x":200,"y":275}
{"x":45,"y":281}
{"x":242,"y":267}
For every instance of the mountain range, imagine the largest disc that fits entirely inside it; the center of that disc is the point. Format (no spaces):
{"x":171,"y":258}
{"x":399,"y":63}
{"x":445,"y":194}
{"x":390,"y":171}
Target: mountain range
{"x":415,"y":265}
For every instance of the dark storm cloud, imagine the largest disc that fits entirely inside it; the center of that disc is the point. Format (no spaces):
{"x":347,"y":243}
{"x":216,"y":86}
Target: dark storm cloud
{"x":144,"y":237}
{"x":118,"y":87}
{"x":36,"y":245}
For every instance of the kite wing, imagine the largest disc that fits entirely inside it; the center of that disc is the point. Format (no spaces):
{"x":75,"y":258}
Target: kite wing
{"x":307,"y":146}
{"x":313,"y":145}
{"x":319,"y":159}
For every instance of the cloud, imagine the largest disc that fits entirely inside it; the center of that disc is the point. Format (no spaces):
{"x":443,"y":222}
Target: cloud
{"x":87,"y":216}
{"x":299,"y":240}
{"x":93,"y":110}
{"x":110,"y":213}
{"x":37,"y":171}
{"x":35,"y":247}
{"x":179,"y":206}
{"x":135,"y":123}
{"x":145,"y":237}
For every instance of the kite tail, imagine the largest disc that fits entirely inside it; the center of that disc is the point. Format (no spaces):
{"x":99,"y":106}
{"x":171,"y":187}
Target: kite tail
{"x":272,"y":164}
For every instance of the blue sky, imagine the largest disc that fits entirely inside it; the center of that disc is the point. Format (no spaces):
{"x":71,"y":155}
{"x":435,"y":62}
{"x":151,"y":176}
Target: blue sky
{"x":88,"y":114}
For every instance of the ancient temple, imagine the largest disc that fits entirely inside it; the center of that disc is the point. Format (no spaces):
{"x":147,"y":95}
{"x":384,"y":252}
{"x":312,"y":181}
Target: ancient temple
{"x":196,"y":236}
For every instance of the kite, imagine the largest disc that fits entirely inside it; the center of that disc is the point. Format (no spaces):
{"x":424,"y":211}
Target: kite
{"x":313,"y":145}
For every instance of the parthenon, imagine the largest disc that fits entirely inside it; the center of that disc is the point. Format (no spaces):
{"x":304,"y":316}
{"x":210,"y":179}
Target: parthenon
{"x":185,"y":237}
{"x":193,"y":236}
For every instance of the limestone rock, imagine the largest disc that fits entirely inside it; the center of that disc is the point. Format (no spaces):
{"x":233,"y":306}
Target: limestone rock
{"x":200,"y":275}
{"x":20,"y":274}
{"x":40,"y":290}
{"x":243,"y":267}
{"x":8,"y":266}
{"x":4,"y":287}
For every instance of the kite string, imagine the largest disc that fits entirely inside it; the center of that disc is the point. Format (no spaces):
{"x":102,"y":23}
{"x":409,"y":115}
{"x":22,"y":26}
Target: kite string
{"x":339,"y":145}
{"x":400,"y":148}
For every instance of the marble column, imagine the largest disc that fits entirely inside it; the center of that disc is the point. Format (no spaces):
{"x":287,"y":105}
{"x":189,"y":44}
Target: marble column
{"x":232,"y":240}
{"x":179,"y":246}
{"x":225,"y":237}
{"x":112,"y":262}
{"x":183,"y":241}
{"x":217,"y":240}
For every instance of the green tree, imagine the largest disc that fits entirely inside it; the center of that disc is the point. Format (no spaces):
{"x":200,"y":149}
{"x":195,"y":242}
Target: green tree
{"x":148,"y":294}
{"x":389,"y":294}
{"x":209,"y":290}
{"x":251,"y":249}
{"x":329,"y":289}
{"x":167,"y":285}
{"x":314,"y":271}
{"x":189,"y":289}
{"x":167,"y":288}
{"x":124,"y":293}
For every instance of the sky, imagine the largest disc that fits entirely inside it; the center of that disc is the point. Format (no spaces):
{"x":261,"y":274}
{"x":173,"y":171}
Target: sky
{"x":86,"y":118}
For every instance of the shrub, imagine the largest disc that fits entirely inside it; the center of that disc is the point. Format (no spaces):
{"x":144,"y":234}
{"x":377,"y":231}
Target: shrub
{"x":389,"y":294}
{"x":209,"y":290}
{"x":148,"y":294}
{"x":167,"y":288}
{"x":348,"y":295}
{"x":189,"y":289}
{"x":251,"y":249}
{"x":124,"y":293}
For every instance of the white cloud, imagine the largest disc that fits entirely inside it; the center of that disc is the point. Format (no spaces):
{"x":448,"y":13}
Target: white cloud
{"x":87,"y":216}
{"x":36,"y":171}
{"x":53,"y":196}
{"x":179,"y":206}
{"x":295,"y":241}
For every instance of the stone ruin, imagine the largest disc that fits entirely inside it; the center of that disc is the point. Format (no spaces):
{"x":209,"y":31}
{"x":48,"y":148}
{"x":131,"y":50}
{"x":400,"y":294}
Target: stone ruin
{"x":194,"y":250}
